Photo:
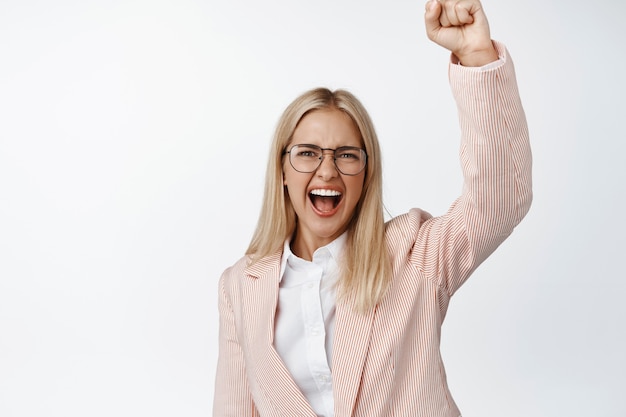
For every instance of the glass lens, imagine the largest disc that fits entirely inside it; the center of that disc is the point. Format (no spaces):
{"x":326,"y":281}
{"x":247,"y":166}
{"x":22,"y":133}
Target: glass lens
{"x":305,"y":158}
{"x":350,"y":160}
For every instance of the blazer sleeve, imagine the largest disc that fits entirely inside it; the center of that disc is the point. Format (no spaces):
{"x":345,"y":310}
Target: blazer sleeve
{"x":232,"y":394}
{"x":496,"y":164}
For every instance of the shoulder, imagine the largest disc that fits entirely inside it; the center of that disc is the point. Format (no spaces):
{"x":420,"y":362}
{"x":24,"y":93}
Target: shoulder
{"x":409,"y":222}
{"x":238,"y":267}
{"x":234,"y":273}
{"x":249,"y":268}
{"x":405,"y":228}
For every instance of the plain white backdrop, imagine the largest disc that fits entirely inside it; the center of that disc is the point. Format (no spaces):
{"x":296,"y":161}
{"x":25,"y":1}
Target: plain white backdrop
{"x":133,"y":143}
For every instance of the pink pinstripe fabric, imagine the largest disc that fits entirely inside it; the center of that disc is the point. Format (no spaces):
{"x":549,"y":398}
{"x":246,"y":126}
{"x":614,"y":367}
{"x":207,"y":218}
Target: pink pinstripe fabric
{"x":387,"y":362}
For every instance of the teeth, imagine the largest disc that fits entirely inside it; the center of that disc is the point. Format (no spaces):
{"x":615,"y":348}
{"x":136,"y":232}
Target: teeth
{"x":326,"y":193}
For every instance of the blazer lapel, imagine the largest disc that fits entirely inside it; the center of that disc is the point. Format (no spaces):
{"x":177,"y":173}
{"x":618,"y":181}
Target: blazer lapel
{"x":260,"y":297}
{"x":353,"y":333}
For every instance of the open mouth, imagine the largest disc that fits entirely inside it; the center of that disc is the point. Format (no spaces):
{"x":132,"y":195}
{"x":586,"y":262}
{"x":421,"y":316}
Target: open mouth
{"x":325,"y":201}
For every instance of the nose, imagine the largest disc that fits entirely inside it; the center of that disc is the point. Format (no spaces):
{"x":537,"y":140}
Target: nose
{"x":327,"y":169}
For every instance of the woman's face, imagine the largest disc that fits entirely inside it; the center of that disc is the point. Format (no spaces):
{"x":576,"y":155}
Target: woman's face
{"x":321,"y":219}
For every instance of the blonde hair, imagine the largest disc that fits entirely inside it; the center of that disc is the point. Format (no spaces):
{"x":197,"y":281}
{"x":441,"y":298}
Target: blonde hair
{"x":366,"y":268}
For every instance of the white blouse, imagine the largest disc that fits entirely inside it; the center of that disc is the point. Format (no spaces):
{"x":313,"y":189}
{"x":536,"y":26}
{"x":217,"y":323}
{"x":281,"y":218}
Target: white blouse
{"x":305,"y":319}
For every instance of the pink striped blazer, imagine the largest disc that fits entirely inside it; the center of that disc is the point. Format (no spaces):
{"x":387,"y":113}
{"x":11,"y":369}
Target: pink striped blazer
{"x":387,"y":362}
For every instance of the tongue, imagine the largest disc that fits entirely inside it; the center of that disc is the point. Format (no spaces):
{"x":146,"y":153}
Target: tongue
{"x":323,"y":204}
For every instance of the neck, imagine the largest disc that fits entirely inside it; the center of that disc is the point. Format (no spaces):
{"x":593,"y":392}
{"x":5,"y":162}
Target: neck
{"x":305,"y":248}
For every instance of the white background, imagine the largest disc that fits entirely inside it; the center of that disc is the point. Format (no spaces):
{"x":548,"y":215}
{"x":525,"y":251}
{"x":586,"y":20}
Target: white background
{"x":133,"y":143}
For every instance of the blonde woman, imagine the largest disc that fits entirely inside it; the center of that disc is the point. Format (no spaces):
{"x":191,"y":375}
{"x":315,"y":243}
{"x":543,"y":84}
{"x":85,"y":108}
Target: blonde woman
{"x":333,"y":312}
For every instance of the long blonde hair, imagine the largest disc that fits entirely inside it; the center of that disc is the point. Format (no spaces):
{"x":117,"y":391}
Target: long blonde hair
{"x":366,"y":268}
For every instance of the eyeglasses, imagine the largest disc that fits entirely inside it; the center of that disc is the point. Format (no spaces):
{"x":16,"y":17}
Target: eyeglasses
{"x":349,"y":160}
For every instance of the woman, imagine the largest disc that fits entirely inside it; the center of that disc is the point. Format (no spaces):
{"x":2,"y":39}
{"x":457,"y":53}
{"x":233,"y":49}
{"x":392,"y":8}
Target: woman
{"x":333,"y":312}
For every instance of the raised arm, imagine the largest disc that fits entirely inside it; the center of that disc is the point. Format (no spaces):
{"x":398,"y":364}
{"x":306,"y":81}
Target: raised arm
{"x":495,"y":150}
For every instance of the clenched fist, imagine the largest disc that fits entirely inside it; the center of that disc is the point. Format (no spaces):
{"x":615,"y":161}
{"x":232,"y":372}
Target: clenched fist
{"x":461,"y":26}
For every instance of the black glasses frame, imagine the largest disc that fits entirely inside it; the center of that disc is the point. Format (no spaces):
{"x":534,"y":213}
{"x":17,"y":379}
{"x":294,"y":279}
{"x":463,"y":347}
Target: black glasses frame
{"x":321,"y":157}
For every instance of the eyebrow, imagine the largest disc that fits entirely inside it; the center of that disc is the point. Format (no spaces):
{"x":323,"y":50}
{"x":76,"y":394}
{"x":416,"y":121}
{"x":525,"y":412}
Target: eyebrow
{"x":326,"y":149}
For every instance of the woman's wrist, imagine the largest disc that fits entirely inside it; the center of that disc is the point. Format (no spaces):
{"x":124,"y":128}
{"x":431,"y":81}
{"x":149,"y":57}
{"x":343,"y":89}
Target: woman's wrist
{"x":478,"y":57}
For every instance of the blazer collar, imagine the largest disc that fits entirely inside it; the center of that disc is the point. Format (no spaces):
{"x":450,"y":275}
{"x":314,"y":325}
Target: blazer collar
{"x":260,"y":297}
{"x":263,"y":267}
{"x":353,"y":332}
